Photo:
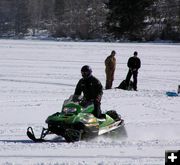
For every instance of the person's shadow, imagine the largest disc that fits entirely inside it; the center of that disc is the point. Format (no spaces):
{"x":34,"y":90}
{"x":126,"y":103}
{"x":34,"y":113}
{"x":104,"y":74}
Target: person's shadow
{"x":53,"y":140}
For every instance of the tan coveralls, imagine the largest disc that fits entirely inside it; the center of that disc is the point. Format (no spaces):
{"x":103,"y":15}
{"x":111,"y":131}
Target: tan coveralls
{"x":110,"y":64}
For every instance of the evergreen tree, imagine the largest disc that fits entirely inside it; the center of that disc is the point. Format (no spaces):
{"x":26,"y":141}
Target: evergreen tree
{"x":126,"y":18}
{"x":79,"y":19}
{"x":7,"y":17}
{"x":59,"y":9}
{"x":21,"y":17}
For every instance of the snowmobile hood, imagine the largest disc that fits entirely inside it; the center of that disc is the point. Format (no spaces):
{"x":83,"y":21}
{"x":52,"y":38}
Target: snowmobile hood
{"x":60,"y":117}
{"x":71,"y":118}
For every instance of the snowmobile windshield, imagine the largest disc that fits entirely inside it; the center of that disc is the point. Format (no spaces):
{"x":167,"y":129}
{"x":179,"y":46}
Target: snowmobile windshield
{"x":69,"y":110}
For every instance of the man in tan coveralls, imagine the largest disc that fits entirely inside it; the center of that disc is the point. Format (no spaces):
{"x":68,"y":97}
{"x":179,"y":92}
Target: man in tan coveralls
{"x":110,"y":64}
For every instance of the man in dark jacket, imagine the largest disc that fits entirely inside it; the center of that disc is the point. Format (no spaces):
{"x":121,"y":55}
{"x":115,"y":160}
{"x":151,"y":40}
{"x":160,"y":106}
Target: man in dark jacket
{"x":134,"y":63}
{"x":110,"y":64}
{"x":91,"y":88}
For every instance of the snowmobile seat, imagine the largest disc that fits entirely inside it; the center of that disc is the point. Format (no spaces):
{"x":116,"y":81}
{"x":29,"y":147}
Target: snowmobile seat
{"x":102,"y":117}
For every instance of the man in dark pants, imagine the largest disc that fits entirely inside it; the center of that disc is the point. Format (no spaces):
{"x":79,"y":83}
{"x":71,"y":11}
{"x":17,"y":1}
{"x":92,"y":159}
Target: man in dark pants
{"x":91,"y":88}
{"x":134,"y":63}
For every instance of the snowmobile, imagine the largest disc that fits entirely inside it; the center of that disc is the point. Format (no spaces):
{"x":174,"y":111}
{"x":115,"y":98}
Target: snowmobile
{"x":76,"y":122}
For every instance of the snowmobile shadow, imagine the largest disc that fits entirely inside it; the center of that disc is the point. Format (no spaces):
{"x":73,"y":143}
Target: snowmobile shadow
{"x":16,"y":141}
{"x":53,"y":140}
{"x":37,"y":82}
{"x":30,"y":141}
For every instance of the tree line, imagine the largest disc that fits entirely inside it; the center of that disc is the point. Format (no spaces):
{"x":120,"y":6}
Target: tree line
{"x":126,"y":20}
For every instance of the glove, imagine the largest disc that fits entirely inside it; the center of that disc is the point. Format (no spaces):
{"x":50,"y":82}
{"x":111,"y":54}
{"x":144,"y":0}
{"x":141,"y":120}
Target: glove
{"x":130,"y":69}
{"x":98,"y":98}
{"x":83,"y":103}
{"x":75,"y":98}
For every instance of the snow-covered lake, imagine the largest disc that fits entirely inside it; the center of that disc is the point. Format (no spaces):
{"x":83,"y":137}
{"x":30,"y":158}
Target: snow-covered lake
{"x":36,"y":77}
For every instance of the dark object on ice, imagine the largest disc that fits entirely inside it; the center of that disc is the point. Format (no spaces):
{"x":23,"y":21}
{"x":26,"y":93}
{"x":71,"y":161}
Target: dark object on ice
{"x":125,"y":86}
{"x":172,"y":94}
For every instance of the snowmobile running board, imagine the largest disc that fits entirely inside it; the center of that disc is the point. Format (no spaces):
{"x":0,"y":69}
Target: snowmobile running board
{"x":30,"y":134}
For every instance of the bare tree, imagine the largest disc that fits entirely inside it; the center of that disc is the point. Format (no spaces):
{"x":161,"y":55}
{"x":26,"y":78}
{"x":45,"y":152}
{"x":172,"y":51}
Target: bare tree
{"x":164,"y":21}
{"x":81,"y":19}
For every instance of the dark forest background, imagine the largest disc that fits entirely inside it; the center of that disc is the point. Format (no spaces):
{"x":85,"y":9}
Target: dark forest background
{"x":107,"y":20}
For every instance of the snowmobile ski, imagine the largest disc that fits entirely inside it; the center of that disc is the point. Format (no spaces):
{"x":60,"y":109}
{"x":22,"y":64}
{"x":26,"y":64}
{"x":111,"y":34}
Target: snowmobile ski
{"x":30,"y":134}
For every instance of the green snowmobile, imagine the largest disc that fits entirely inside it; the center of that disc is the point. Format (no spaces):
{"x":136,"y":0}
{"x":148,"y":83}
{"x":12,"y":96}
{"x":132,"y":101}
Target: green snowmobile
{"x":76,"y":122}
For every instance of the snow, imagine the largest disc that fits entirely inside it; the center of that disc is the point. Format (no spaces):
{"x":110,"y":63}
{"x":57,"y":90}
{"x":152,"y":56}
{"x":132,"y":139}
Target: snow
{"x":36,"y":77}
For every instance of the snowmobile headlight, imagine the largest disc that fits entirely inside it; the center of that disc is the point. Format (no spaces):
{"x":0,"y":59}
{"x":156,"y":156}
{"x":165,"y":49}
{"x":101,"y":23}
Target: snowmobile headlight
{"x":69,"y":110}
{"x":92,"y":120}
{"x":89,"y":119}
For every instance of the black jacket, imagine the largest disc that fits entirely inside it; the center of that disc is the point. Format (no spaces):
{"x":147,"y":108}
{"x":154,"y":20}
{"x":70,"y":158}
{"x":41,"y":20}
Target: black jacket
{"x":134,"y":63}
{"x":91,"y":88}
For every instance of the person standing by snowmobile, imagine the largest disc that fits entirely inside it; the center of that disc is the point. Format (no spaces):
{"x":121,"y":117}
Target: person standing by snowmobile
{"x":134,"y":63}
{"x":92,"y":89}
{"x":110,"y":64}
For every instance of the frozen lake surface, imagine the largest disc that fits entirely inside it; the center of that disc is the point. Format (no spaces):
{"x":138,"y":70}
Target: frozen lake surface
{"x":36,"y":77}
